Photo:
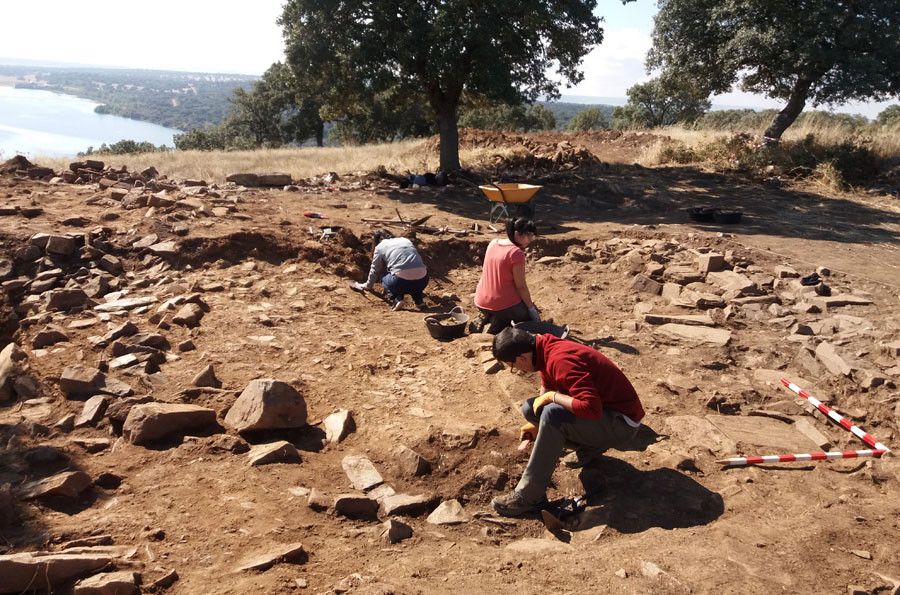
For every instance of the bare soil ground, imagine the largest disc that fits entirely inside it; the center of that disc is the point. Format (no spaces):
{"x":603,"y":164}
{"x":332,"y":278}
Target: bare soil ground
{"x":662,"y":518}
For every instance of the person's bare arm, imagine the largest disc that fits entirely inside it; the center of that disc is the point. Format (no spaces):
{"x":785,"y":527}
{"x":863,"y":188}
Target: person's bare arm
{"x":521,"y":285}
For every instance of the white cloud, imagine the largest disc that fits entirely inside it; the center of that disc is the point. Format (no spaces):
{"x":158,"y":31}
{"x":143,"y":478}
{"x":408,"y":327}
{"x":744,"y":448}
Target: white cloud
{"x":614,"y":66}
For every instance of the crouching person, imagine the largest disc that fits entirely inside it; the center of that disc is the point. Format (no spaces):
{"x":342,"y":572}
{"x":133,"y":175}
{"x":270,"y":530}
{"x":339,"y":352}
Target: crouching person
{"x":586,"y":403}
{"x":398,"y":266}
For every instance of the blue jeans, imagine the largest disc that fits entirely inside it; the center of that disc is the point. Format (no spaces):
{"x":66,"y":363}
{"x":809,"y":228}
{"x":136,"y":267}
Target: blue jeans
{"x":395,"y":288}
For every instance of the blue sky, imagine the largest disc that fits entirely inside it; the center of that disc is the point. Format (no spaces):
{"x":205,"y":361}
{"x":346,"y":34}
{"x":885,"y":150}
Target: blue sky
{"x":237,"y":36}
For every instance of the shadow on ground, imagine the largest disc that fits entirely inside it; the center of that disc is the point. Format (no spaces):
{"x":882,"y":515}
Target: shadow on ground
{"x":631,"y":500}
{"x":631,"y":194}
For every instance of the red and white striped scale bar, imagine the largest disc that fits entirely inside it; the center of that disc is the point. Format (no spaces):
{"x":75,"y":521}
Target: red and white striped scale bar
{"x":836,"y":417}
{"x":810,"y":456}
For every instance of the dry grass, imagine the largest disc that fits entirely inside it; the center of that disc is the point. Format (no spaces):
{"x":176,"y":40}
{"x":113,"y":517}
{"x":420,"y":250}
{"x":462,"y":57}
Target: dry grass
{"x":214,"y":166}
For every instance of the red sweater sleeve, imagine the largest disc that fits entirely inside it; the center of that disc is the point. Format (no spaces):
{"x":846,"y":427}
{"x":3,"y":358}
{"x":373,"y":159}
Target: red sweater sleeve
{"x":576,"y":382}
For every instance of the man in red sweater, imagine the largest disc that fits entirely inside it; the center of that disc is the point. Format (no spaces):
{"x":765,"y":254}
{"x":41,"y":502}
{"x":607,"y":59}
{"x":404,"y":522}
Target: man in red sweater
{"x":586,"y":403}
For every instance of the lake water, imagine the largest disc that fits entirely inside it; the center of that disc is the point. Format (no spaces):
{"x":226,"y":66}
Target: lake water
{"x":36,"y":122}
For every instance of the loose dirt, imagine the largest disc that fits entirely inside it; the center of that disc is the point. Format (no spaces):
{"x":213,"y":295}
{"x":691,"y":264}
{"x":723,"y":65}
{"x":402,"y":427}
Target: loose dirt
{"x":663,"y":517}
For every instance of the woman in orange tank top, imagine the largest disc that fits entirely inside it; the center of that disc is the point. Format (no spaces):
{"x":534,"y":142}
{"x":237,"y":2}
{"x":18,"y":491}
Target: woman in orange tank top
{"x":502,"y":294}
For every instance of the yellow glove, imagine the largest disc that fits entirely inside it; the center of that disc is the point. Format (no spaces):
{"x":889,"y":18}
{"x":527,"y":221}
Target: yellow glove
{"x":528,"y":432}
{"x":542,"y":400}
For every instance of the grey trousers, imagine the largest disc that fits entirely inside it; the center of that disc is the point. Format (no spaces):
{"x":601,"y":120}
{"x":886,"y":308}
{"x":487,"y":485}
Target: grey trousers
{"x":558,"y":428}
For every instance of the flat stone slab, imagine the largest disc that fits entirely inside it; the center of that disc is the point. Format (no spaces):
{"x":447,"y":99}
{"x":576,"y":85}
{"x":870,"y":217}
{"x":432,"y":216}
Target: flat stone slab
{"x":832,"y":360}
{"x":126,"y":304}
{"x":274,"y":452}
{"x":66,"y":485}
{"x":690,"y":319}
{"x":762,"y":433}
{"x":406,"y":505}
{"x":150,"y":422}
{"x":362,"y":472}
{"x":108,"y":583}
{"x":698,"y":334}
{"x":730,"y":281}
{"x":292,"y":554}
{"x":536,"y":547}
{"x":836,"y":301}
{"x":18,"y":571}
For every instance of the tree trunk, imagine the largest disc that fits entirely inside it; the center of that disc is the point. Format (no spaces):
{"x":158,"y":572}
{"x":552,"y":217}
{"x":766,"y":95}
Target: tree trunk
{"x":449,"y":131}
{"x":794,"y":106}
{"x":320,"y":134}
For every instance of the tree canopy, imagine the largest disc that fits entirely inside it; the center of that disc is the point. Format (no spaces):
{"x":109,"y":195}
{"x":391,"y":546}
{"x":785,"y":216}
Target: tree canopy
{"x":661,"y":102}
{"x":821,"y":51}
{"x":591,"y":118}
{"x":508,"y":117}
{"x":347,"y":53}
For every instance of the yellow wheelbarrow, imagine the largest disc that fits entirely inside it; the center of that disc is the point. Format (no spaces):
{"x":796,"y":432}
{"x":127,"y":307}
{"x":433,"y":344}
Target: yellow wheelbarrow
{"x":503,"y":195}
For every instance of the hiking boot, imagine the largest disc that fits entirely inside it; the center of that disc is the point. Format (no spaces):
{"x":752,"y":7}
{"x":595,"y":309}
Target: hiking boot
{"x":514,"y":504}
{"x":397,"y":306}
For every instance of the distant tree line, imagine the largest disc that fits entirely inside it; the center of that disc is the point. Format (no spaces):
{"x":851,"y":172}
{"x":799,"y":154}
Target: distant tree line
{"x":173,"y":99}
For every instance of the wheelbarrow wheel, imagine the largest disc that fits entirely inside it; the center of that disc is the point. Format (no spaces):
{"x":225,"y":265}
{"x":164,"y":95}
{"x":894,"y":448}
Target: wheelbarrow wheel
{"x":525,"y":209}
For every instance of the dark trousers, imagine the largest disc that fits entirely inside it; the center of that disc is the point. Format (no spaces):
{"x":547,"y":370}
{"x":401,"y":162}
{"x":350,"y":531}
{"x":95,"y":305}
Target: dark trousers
{"x":499,"y":320}
{"x":395,"y":288}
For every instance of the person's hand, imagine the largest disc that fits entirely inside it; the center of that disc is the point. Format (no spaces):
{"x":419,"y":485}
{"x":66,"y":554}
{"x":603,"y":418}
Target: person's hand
{"x":358,"y":286}
{"x":528,"y":432}
{"x":534,"y":313}
{"x":542,"y":400}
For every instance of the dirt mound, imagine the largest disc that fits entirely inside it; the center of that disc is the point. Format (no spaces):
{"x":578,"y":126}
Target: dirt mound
{"x":523,"y":151}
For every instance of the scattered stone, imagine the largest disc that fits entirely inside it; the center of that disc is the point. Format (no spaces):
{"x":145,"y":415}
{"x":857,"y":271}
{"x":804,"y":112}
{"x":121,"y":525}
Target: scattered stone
{"x":165,"y":581}
{"x":150,"y":422}
{"x":189,"y":315}
{"x":109,"y":583}
{"x":644,"y":284}
{"x":356,"y":506}
{"x":869,"y":378}
{"x":411,"y":462}
{"x":449,"y":512}
{"x":406,"y":505}
{"x":69,"y":484}
{"x":274,"y":452}
{"x":187,"y":345}
{"x":700,"y":334}
{"x":362,"y":472}
{"x":266,"y":405}
{"x":828,"y":355}
{"x":125,"y":304}
{"x":394,"y":531}
{"x":66,"y":299}
{"x":730,"y":281}
{"x":338,"y":426}
{"x":292,"y":554}
{"x":8,"y":358}
{"x":837,"y":301}
{"x":892,"y":348}
{"x":693,"y":320}
{"x":93,"y":411}
{"x":864,"y":554}
{"x":49,"y":336}
{"x":18,"y":571}
{"x":621,"y":573}
{"x":207,"y":377}
{"x":91,"y":445}
{"x":80,"y":381}
{"x":168,"y":248}
{"x":711,"y":262}
{"x":317,"y":500}
{"x":803,"y":426}
{"x":785,"y":272}
{"x":66,"y":424}
{"x":492,"y":477}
